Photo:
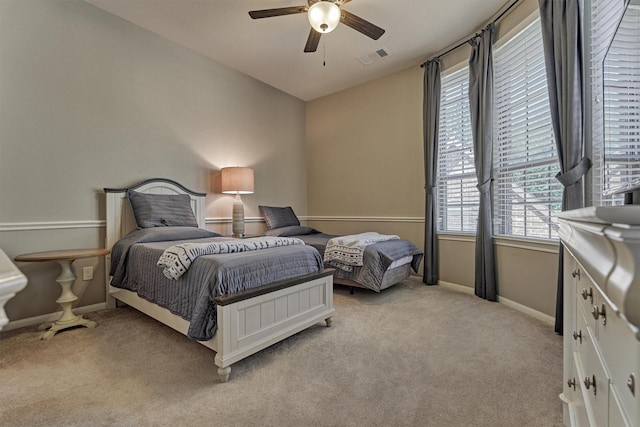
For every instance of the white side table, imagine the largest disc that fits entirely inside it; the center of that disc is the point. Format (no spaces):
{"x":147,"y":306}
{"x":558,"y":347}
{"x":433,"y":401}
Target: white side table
{"x":66,"y":278}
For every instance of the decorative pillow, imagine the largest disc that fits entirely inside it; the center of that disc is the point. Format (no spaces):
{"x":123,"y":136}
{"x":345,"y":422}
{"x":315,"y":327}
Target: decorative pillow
{"x":162,"y":210}
{"x":291,"y":230}
{"x":276,"y":217}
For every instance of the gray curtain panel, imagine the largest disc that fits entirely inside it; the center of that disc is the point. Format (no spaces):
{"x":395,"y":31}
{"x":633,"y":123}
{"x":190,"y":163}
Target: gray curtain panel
{"x":562,"y":40}
{"x":431,"y":112}
{"x":481,"y":105}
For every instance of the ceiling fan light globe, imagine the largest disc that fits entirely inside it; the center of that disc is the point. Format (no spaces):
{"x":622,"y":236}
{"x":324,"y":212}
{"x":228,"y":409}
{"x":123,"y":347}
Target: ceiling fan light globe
{"x":324,"y":16}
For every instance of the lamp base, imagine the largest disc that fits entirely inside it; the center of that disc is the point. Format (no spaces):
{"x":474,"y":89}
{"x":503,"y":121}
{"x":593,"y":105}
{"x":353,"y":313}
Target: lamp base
{"x":237,"y":224}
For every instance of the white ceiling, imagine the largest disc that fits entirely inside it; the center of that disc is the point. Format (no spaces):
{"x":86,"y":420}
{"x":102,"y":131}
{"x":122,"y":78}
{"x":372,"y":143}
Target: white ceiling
{"x":271,"y":49}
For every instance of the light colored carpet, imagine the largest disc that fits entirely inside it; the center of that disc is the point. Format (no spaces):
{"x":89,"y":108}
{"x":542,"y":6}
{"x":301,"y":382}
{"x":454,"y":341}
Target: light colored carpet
{"x":413,"y":355}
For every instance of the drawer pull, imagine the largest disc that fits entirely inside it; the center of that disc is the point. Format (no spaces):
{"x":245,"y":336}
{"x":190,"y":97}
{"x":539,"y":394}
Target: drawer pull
{"x":597,"y":313}
{"x":577,"y":335}
{"x":589,"y":382}
{"x":576,"y":273}
{"x":631,"y":383}
{"x":572,"y":383}
{"x":588,"y":294}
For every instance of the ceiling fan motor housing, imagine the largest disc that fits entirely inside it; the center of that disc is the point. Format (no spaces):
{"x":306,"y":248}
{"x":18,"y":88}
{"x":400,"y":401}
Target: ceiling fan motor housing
{"x":324,"y":16}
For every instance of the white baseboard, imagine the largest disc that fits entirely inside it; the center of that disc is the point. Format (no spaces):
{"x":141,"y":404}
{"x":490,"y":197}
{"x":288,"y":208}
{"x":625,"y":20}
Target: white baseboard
{"x":52,"y":317}
{"x":502,"y":300}
{"x":550,"y":320}
{"x":456,"y":287}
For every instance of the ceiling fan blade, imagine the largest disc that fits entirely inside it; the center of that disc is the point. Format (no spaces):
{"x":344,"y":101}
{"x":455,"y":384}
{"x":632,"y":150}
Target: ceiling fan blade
{"x":359,"y":24}
{"x":268,"y":13}
{"x":312,"y":41}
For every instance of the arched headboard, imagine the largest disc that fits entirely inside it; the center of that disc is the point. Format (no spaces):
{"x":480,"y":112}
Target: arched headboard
{"x":119,"y":218}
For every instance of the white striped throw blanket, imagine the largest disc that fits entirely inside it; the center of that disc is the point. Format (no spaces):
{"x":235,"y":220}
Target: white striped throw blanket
{"x":177,"y":259}
{"x":345,"y":252}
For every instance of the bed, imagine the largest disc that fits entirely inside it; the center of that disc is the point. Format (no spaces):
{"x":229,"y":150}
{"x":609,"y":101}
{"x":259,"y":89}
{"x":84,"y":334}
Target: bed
{"x":231,"y":309}
{"x":384,"y":261}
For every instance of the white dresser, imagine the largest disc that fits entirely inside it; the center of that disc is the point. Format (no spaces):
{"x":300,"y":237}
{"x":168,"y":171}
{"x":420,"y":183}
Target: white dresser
{"x":601,"y":316}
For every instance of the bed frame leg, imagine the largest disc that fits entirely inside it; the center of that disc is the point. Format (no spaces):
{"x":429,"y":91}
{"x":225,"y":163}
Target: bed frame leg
{"x":223,"y":374}
{"x":351,"y":290}
{"x":328,"y":320}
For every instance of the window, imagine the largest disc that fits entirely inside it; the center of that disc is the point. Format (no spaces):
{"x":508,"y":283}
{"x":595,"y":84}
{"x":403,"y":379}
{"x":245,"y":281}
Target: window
{"x":621,"y":106}
{"x":526,"y":193}
{"x":525,"y":160}
{"x":458,"y":197}
{"x":604,"y":18}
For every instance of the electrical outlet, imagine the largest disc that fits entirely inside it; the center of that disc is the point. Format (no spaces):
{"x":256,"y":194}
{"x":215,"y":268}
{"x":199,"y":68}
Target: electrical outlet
{"x":87,"y":273}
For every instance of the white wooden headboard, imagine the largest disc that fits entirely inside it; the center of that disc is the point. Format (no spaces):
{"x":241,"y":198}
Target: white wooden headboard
{"x":120,"y":220}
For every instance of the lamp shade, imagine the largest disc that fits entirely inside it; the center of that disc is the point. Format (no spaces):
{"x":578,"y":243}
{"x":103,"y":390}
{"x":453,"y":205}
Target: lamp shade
{"x":237,"y":180}
{"x":324,"y":16}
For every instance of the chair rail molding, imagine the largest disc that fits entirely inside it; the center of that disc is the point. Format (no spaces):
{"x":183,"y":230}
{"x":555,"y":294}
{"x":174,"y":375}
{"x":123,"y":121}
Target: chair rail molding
{"x":408,"y":219}
{"x":51,"y":225}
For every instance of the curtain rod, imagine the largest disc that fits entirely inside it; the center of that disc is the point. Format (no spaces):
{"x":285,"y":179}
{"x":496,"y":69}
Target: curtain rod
{"x":493,"y":20}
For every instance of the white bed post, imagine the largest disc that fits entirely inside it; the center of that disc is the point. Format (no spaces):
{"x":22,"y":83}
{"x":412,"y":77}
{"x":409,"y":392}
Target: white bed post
{"x":114,"y":203}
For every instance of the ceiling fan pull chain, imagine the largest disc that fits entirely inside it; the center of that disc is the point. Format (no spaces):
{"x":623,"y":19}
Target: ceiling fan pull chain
{"x":324,"y":53}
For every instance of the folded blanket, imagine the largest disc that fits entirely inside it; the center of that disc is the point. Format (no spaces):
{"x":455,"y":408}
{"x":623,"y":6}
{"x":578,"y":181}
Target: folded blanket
{"x":344,"y":252}
{"x":177,"y":259}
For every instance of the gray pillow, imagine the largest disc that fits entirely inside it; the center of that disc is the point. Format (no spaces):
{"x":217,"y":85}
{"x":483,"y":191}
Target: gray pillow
{"x":162,"y":210}
{"x":277,"y":217}
{"x":291,"y":230}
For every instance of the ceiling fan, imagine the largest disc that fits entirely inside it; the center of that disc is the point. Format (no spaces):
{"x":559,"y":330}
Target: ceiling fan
{"x":324,"y":16}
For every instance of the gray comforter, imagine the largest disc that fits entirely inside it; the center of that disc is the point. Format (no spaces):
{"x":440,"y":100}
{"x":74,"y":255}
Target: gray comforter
{"x":376,"y":260}
{"x":192,"y":296}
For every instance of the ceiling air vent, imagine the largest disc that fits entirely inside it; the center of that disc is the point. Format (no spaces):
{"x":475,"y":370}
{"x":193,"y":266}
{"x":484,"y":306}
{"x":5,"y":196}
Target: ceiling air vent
{"x":375,"y":56}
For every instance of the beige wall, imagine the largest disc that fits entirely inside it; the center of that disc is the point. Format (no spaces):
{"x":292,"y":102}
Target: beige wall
{"x":528,"y":277}
{"x":88,"y":100}
{"x":365,"y":156}
{"x":527,"y":272}
{"x":365,"y":159}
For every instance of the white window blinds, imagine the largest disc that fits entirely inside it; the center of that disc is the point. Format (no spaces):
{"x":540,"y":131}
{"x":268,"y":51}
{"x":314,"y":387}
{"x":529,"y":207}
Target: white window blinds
{"x":526,"y":193}
{"x":621,"y":106}
{"x":458,"y":197}
{"x":605,"y":15}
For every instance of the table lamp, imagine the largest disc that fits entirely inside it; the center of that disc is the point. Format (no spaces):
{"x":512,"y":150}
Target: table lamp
{"x":237,"y":180}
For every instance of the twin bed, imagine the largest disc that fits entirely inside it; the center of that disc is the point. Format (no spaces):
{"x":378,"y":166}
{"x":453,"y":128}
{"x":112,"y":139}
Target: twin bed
{"x":234,"y":325}
{"x":236,"y":300}
{"x":384,"y":262}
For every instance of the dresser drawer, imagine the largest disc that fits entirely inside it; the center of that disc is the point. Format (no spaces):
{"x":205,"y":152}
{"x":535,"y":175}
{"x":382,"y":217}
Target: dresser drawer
{"x":586,"y":333}
{"x":621,"y":350}
{"x":586,"y":296}
{"x":578,"y":412}
{"x":594,"y":382}
{"x":617,"y":418}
